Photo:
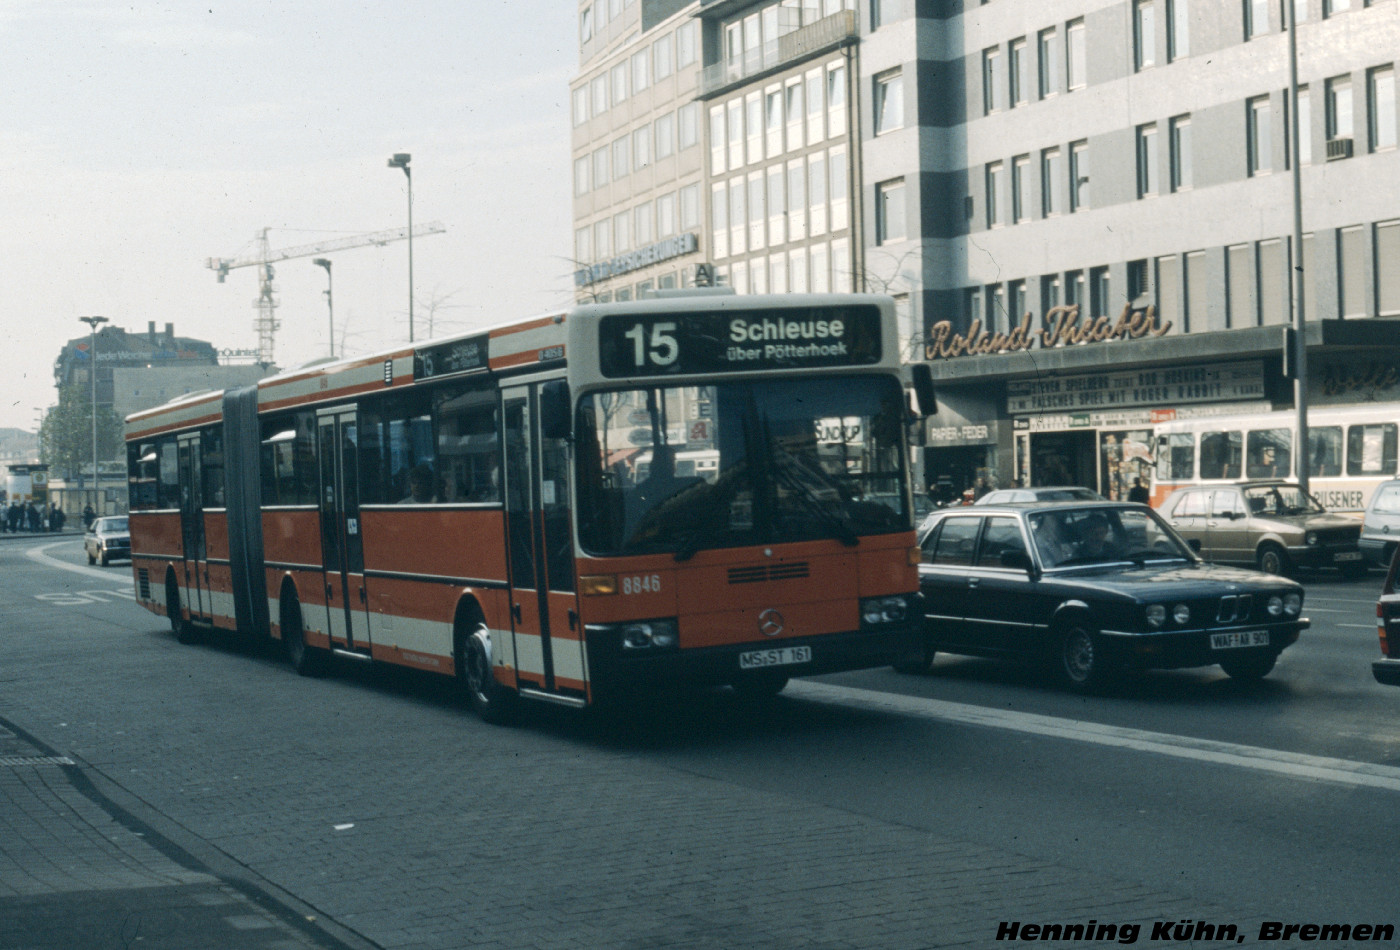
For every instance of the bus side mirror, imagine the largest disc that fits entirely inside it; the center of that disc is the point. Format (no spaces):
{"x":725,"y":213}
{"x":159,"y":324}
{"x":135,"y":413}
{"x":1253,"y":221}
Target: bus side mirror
{"x":555,"y":410}
{"x":923,"y":388}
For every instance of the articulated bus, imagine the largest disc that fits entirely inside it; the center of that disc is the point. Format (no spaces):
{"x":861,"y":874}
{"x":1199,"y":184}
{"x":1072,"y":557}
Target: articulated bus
{"x":700,"y":489}
{"x":1352,"y":450}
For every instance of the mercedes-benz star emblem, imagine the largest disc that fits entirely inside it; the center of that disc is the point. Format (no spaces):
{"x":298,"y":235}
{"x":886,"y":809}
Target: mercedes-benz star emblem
{"x":770,"y":622}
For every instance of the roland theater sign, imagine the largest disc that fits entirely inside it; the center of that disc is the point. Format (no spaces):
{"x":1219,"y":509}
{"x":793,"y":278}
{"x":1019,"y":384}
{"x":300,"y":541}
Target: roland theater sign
{"x":1062,"y":326}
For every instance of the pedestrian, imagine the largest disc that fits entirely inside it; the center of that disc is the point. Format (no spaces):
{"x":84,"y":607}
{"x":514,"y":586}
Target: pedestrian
{"x":12,"y":517}
{"x":1139,"y":492}
{"x":36,"y":521}
{"x":88,"y":516}
{"x":56,"y":517}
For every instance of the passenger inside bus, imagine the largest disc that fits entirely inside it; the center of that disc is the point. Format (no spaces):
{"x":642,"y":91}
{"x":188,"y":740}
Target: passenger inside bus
{"x":420,"y":486}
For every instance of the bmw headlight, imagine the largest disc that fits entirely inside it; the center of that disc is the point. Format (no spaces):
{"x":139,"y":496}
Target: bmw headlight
{"x":876,"y":610}
{"x":1293,"y":604}
{"x":1275,"y":605}
{"x":1310,"y":538}
{"x":1156,"y":615}
{"x":1181,"y":614}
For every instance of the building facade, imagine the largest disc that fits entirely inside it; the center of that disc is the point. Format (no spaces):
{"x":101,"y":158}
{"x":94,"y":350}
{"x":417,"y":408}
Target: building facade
{"x":1084,"y":209}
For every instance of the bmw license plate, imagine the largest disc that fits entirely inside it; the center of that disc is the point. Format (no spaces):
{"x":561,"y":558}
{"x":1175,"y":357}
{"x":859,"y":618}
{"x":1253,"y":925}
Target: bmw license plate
{"x":778,"y":656}
{"x":1241,"y":638}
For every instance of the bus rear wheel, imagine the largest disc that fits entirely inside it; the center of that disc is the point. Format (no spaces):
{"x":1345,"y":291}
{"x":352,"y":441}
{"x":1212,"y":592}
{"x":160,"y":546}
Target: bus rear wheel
{"x":306,"y":660}
{"x":490,"y":700}
{"x":182,"y":628}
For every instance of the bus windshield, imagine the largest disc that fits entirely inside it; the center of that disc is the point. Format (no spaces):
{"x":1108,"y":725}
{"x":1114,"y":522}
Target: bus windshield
{"x":684,"y":468}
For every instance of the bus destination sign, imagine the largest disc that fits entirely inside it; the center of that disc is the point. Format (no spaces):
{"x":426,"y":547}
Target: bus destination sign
{"x":738,"y":341}
{"x":449,"y":359}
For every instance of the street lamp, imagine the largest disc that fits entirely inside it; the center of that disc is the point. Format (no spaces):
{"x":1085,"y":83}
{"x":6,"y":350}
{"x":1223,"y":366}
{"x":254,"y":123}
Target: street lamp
{"x":1298,"y":359}
{"x":401,"y":160}
{"x":94,"y":323}
{"x":330,"y":305}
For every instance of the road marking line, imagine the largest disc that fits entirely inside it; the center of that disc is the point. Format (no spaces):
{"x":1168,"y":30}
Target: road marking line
{"x":1292,"y":764}
{"x":37,"y":554}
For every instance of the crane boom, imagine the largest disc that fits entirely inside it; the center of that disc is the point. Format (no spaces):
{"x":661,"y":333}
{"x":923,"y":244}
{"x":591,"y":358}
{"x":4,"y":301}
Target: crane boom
{"x":266,"y":323}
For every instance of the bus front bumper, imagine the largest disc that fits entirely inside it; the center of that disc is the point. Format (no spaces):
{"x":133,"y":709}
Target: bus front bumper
{"x":612,"y":668}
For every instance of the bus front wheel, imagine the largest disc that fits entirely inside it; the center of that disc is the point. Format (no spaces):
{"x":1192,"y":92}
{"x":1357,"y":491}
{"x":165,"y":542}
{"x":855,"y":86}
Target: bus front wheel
{"x":489,"y":699}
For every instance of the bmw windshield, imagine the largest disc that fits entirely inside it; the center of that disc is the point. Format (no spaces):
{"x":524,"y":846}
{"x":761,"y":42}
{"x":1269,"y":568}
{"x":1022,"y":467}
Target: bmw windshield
{"x":684,"y":468}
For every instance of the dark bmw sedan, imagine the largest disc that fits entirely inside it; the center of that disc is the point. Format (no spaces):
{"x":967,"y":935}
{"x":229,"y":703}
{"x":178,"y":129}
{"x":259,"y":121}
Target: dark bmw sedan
{"x":1091,"y":590}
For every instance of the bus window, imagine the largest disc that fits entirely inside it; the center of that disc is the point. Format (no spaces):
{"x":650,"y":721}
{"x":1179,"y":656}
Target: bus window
{"x":168,"y":486}
{"x":1176,"y":456}
{"x":396,"y":442}
{"x":1325,"y":451}
{"x":288,"y":460}
{"x":1371,"y":449}
{"x":1220,"y":454}
{"x":1270,"y":453}
{"x":142,"y":463}
{"x":468,"y":451}
{"x":212,"y":466}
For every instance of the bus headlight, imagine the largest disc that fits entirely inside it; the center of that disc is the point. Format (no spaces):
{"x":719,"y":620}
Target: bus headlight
{"x":649,"y":635}
{"x":1293,"y":604}
{"x":876,"y":610}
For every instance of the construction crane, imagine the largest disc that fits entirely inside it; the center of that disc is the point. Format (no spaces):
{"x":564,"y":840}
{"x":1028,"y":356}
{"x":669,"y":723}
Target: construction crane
{"x":263,"y":257}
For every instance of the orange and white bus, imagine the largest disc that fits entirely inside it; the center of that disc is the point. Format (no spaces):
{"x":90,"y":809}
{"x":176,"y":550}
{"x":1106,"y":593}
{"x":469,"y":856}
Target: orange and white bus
{"x":1352,"y":450}
{"x":705,"y":489}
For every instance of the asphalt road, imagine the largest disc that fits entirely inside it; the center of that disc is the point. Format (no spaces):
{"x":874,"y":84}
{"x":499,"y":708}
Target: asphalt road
{"x":867,"y":809}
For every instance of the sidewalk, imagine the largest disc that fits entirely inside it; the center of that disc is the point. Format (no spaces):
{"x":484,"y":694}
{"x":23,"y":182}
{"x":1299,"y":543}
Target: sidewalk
{"x":79,"y":869}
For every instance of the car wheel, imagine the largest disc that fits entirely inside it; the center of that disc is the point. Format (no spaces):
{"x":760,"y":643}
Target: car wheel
{"x":916,"y":664}
{"x":306,"y":660}
{"x":1249,"y":667}
{"x":490,"y":700}
{"x":1272,"y":559}
{"x":1080,"y":662}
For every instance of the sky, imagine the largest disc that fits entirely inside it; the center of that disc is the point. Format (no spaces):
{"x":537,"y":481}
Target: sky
{"x":140,"y":139}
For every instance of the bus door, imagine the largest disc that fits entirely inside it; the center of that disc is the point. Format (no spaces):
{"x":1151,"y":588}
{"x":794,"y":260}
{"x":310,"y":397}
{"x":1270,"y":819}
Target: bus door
{"x":548,"y":637}
{"x":342,"y":548}
{"x":195,"y":551}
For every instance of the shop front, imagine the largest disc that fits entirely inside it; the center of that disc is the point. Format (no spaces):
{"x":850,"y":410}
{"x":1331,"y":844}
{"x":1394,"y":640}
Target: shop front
{"x":1086,"y":412}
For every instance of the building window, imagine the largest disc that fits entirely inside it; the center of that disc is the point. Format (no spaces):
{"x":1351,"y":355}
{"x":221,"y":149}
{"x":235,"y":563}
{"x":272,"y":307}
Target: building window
{"x":734,"y":109}
{"x":585,"y":26}
{"x":719,"y":219}
{"x":836,"y":99}
{"x":619,"y":158}
{"x":792,"y":103}
{"x":1330,"y":7}
{"x":816,"y":105}
{"x":598,"y":94}
{"x":1049,"y":72}
{"x":758,"y":213}
{"x":688,"y":122}
{"x":1380,"y":96}
{"x":777,"y":205}
{"x":619,"y":83}
{"x":1076,"y":55}
{"x":1051,"y":174}
{"x":1020,"y":302}
{"x":1300,"y":10}
{"x":991,"y":80}
{"x":1353,"y":272}
{"x":816,"y":192}
{"x":1078,"y":176}
{"x":1148,"y":183}
{"x":1273,"y":283}
{"x":1050,"y":293}
{"x":738,"y":216}
{"x":1261,"y":141}
{"x":641,"y":147}
{"x":1144,"y":33}
{"x":797,"y":200}
{"x":600,"y":167}
{"x":1100,"y":297}
{"x":1239,"y":285}
{"x":836,"y":187}
{"x":583,"y":245}
{"x":1304,"y":127}
{"x":1181,"y":152}
{"x":622,"y":236}
{"x":1178,"y":29}
{"x":1137,"y":279}
{"x":602,"y":238}
{"x":661,"y":57}
{"x":889,"y":101}
{"x":1169,"y":290}
{"x":1020,"y":187}
{"x":994,"y":176}
{"x":581,"y":176}
{"x":640,"y":73}
{"x":753,"y":126}
{"x":666,"y":215}
{"x":665,"y":130}
{"x":643,"y":218}
{"x":690,"y":207}
{"x":1339,"y":108}
{"x":580,"y":105}
{"x":687,"y":38}
{"x":1388,"y":268}
{"x":1019,"y":72}
{"x":1256,"y":18}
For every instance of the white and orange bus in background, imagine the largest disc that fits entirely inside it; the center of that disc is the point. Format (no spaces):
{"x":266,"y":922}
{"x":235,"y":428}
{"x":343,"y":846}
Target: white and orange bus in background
{"x":707,"y":489}
{"x":1351,"y":449}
